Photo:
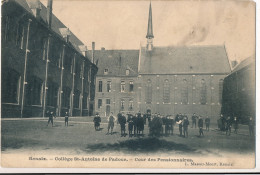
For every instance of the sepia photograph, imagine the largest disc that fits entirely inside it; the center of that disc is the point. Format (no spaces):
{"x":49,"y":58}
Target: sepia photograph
{"x":128,"y":84}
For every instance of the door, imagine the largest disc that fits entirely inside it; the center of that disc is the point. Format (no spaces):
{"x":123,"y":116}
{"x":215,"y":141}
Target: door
{"x":107,"y":110}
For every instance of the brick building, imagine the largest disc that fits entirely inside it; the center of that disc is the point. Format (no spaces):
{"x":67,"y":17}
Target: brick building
{"x":116,"y":83}
{"x":166,"y":80}
{"x":239,"y":91}
{"x":44,"y":65}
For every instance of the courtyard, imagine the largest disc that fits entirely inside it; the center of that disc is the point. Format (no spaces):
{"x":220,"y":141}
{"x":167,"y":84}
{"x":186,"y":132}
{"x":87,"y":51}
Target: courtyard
{"x":33,"y":135}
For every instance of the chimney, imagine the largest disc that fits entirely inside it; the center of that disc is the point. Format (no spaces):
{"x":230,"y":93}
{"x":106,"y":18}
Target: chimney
{"x":35,"y":6}
{"x":93,"y":52}
{"x":103,"y":48}
{"x":233,"y":63}
{"x":49,"y":13}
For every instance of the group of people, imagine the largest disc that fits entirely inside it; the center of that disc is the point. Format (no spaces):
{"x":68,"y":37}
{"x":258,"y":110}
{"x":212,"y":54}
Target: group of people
{"x":225,"y":124}
{"x":158,"y":124}
{"x":135,"y":124}
{"x":183,"y":122}
{"x":51,"y":115}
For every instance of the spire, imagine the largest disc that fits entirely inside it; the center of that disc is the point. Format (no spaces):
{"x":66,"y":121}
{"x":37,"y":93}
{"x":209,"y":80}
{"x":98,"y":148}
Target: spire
{"x":150,"y":24}
{"x":149,"y":35}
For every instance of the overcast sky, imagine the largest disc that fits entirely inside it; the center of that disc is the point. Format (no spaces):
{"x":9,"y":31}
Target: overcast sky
{"x":123,"y":24}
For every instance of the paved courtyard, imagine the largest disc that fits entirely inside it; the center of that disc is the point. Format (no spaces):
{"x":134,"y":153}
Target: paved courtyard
{"x":80,"y":138}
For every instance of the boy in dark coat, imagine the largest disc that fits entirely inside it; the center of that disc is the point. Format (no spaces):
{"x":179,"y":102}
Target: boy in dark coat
{"x":235,"y":124}
{"x":122,"y":123}
{"x":51,"y":115}
{"x":200,"y":125}
{"x":194,"y":118}
{"x":185,"y":126}
{"x":130,"y":125}
{"x":97,"y":120}
{"x":66,"y":119}
{"x":207,"y":122}
{"x":251,"y":126}
{"x":228,"y":126}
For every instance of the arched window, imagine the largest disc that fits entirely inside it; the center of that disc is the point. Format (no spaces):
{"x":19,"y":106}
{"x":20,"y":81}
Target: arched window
{"x":203,"y":92}
{"x":220,"y":90}
{"x":149,"y":92}
{"x":166,"y":92}
{"x":184,"y":94}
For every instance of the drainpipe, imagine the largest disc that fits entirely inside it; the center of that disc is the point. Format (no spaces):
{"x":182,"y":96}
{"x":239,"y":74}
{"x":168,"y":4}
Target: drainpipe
{"x":89,"y":84}
{"x":73,"y":86}
{"x":46,"y":76}
{"x":25,"y":66}
{"x":82,"y":89}
{"x":61,"y":80}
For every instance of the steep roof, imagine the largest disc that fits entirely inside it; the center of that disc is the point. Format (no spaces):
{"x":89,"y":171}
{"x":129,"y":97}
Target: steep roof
{"x":117,"y":62}
{"x":56,"y":23}
{"x":184,"y":60}
{"x":244,"y":63}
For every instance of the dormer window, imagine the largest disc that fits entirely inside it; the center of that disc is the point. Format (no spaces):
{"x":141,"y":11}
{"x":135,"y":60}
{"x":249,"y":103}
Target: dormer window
{"x":127,"y":72}
{"x":105,"y":71}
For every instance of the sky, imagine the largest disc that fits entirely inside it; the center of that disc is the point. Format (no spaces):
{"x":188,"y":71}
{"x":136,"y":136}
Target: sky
{"x":123,"y":24}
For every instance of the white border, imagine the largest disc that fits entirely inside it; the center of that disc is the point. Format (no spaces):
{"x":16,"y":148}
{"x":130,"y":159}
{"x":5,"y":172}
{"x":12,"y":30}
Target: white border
{"x":128,"y":170}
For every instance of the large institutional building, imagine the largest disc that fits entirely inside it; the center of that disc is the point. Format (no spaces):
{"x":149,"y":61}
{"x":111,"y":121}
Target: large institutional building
{"x":166,"y":80}
{"x":239,"y":87}
{"x":44,"y":65}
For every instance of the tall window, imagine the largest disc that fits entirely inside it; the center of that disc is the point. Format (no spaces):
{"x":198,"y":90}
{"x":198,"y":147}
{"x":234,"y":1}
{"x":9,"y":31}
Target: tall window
{"x":99,"y":86}
{"x":99,"y":103}
{"x":76,"y":99}
{"x":68,"y":59}
{"x":184,"y":93}
{"x":52,"y":94}
{"x":122,"y":86}
{"x":77,"y":69}
{"x":34,"y":91}
{"x":149,"y":92}
{"x":166,"y":92}
{"x":55,"y":51}
{"x":203,"y":92}
{"x":66,"y":97}
{"x":11,"y":81}
{"x":130,"y":105}
{"x":108,"y":101}
{"x":85,"y":101}
{"x":131,"y":86}
{"x":220,"y":90}
{"x":108,"y":86}
{"x":122,"y":105}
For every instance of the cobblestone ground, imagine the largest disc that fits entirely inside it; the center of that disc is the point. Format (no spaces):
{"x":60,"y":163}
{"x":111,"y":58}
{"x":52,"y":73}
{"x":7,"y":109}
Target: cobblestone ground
{"x":80,"y":137}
